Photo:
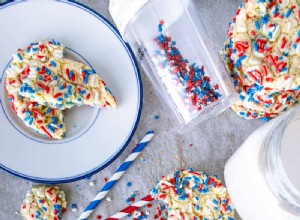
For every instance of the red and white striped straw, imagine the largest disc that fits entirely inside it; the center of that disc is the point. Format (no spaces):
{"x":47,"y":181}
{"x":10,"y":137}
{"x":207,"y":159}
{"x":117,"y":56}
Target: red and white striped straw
{"x":130,"y":209}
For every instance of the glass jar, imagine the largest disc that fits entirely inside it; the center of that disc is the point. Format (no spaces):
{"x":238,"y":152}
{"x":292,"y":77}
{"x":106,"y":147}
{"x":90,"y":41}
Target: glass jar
{"x":262,"y":176}
{"x":179,"y":58}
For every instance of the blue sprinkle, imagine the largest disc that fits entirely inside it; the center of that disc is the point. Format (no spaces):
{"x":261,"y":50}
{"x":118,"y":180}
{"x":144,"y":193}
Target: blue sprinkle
{"x":71,"y":73}
{"x":265,"y":119}
{"x":288,"y":13}
{"x":276,"y":10}
{"x":37,"y":213}
{"x":31,"y":121}
{"x":27,"y":118}
{"x":53,"y":63}
{"x":60,"y":99}
{"x":73,"y":206}
{"x":82,"y":92}
{"x":265,"y":19}
{"x":55,"y":42}
{"x":54,"y":120}
{"x":48,"y":71}
{"x":19,"y":56}
{"x":55,"y":77}
{"x":257,"y":25}
{"x":243,"y":57}
{"x":129,"y":184}
{"x":255,"y":45}
{"x":295,"y":46}
{"x":44,"y":209}
{"x":107,"y":89}
{"x":51,"y":129}
{"x":270,"y":35}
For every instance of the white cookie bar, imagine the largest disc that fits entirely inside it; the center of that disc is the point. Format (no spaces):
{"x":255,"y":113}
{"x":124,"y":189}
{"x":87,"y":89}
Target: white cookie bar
{"x":41,"y":118}
{"x":62,"y":83}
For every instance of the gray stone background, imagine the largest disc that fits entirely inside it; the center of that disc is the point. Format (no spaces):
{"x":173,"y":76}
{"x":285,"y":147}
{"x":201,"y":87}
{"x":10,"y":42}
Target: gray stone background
{"x":213,"y":141}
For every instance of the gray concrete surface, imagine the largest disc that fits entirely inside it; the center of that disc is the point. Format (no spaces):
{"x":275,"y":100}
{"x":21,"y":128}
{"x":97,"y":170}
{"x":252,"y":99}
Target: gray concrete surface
{"x":213,"y":142}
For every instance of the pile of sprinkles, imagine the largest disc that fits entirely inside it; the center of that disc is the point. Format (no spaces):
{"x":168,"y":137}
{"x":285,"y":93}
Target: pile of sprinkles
{"x":41,"y":84}
{"x":263,"y":57}
{"x":188,"y":84}
{"x":44,"y":202}
{"x":194,"y":195}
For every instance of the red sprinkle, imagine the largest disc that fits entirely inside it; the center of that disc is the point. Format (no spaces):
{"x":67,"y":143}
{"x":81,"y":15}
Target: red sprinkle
{"x":46,"y":88}
{"x":12,"y":82}
{"x":57,"y":95}
{"x":283,"y":43}
{"x":36,"y":112}
{"x":46,"y":132}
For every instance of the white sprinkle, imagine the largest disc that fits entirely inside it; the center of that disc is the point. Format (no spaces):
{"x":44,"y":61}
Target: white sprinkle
{"x":92,"y":183}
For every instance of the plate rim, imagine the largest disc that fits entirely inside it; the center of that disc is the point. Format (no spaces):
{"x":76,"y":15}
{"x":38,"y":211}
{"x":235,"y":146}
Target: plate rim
{"x":140,"y":104}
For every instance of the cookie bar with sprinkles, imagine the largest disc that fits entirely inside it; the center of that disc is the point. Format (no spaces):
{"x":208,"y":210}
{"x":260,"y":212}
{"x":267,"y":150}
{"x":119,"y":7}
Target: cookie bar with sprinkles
{"x":44,"y":202}
{"x":188,"y":84}
{"x":41,"y":118}
{"x":262,"y":56}
{"x":60,"y":82}
{"x":194,"y":195}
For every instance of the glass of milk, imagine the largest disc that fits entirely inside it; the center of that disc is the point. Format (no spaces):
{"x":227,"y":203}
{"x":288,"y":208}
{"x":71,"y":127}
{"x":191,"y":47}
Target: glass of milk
{"x":263,"y":177}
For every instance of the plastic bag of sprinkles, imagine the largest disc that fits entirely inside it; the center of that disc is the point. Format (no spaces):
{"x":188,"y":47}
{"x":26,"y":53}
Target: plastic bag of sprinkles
{"x":173,"y":48}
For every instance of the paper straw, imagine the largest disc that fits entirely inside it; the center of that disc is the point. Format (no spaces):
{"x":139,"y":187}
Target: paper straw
{"x":117,"y":175}
{"x":130,"y":209}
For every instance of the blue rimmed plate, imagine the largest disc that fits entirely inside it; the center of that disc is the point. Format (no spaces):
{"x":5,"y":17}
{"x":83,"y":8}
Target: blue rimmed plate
{"x":94,"y":137}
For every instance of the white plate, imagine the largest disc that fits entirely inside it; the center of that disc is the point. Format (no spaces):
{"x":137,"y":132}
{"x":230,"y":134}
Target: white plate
{"x":94,"y":138}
